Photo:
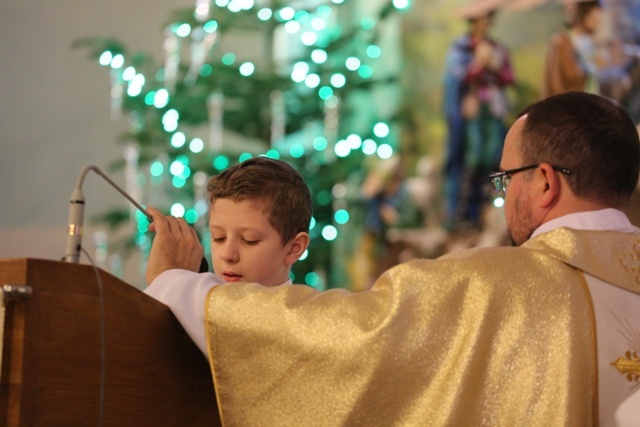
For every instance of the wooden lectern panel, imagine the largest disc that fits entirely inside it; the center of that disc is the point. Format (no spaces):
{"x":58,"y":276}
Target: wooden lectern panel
{"x":154,"y":375}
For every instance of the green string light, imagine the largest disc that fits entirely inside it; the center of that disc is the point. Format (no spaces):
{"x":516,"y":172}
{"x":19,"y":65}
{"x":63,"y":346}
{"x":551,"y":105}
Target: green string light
{"x":128,"y":74}
{"x":302,"y":16}
{"x":247,"y":68}
{"x":273,"y":154}
{"x":191,"y":216}
{"x":292,"y":27}
{"x":196,"y":145}
{"x":178,"y":182}
{"x":319,"y":56}
{"x":183,"y":159}
{"x":325,"y":92}
{"x":366,"y":72}
{"x":385,"y":151}
{"x":183,"y":30}
{"x":229,"y":58}
{"x":312,"y":81}
{"x":324,"y":11}
{"x":338,"y":80}
{"x":265,"y":14}
{"x":156,"y":169}
{"x":149,"y":97}
{"x":161,"y":98}
{"x":206,"y":70}
{"x":320,"y":143}
{"x":369,"y":147}
{"x":329,"y":233}
{"x":342,"y":149}
{"x":105,"y":58}
{"x":221,"y":163}
{"x":309,"y":38}
{"x":178,"y":139}
{"x":286,"y":14}
{"x":367,"y":23}
{"x":401,"y":4}
{"x":177,"y":210}
{"x":210,"y":27}
{"x":352,"y":63}
{"x":170,"y":116}
{"x":381,"y":130}
{"x":244,"y":156}
{"x":296,"y":151}
{"x":117,"y":61}
{"x":341,"y":216}
{"x":141,"y":239}
{"x":312,"y":279}
{"x":373,"y":51}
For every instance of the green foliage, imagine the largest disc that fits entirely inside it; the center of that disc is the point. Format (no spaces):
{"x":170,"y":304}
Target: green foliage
{"x":248,"y":112}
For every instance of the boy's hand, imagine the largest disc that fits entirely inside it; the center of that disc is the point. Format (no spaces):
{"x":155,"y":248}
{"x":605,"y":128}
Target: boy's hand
{"x":176,"y":245}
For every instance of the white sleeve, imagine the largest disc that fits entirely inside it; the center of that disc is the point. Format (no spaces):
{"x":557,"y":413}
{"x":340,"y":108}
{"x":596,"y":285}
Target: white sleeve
{"x":185,"y":292}
{"x":628,"y":413}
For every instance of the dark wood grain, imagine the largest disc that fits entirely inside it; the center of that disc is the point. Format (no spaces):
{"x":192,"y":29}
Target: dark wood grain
{"x":51,"y":362}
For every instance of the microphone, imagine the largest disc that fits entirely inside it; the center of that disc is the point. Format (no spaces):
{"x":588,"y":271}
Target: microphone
{"x":76,"y":217}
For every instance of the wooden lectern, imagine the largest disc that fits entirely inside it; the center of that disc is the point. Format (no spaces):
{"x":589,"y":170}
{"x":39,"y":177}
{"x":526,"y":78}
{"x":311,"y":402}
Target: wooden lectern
{"x":55,"y":372}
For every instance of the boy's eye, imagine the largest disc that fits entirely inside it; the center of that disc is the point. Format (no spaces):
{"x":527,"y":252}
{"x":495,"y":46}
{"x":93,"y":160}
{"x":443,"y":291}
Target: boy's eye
{"x":218,"y":239}
{"x":250,"y":242}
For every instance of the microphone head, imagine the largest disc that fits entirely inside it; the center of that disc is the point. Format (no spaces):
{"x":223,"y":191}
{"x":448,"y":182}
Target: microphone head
{"x":76,"y":220}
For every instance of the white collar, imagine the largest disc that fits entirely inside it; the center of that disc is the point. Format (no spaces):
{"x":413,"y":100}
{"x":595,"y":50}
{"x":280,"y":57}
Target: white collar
{"x":604,"y":219}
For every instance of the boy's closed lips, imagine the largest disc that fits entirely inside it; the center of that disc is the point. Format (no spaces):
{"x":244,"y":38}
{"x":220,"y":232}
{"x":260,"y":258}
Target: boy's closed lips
{"x":230,"y":276}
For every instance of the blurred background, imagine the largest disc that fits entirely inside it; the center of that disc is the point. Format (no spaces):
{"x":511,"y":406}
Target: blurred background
{"x":393,"y":112}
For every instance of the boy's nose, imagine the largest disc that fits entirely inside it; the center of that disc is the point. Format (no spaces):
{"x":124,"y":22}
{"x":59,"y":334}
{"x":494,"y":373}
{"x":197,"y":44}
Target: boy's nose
{"x":229,"y":253}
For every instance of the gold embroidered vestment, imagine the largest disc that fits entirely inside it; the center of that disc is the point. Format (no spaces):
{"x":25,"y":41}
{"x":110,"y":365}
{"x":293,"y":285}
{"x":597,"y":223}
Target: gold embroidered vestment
{"x":496,"y":336}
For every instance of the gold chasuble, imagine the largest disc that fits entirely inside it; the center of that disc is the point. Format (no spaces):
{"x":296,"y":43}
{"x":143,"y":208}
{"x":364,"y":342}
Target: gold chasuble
{"x":497,"y":337}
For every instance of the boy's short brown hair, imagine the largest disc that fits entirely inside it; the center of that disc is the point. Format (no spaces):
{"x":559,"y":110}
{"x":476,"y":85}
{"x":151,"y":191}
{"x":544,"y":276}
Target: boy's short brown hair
{"x":284,"y":195}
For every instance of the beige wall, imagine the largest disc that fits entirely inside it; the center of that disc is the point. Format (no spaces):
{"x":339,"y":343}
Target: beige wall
{"x":54,"y":113}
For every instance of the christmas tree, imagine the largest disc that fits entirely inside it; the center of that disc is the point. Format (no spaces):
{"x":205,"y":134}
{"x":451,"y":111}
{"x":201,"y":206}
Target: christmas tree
{"x":309,"y":85}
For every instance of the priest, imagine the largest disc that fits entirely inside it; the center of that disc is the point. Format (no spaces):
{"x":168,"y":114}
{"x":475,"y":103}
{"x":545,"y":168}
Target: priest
{"x":546,"y":332}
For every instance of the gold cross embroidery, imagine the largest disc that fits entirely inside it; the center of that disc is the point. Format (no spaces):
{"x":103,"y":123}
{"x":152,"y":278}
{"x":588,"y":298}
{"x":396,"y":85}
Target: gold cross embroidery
{"x":631,"y":261}
{"x":629,"y":366}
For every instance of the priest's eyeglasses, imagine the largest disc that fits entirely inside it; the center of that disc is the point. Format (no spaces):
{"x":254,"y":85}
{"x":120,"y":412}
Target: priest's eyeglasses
{"x":501,"y":180}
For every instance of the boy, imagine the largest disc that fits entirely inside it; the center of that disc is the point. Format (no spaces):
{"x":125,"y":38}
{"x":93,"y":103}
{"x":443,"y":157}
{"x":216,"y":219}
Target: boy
{"x":259,"y":221}
{"x":259,"y":218}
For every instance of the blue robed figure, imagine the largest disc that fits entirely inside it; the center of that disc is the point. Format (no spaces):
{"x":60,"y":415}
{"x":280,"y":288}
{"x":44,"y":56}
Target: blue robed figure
{"x":478,"y":70}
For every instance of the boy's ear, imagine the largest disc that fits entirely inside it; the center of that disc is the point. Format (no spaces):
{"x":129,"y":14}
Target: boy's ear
{"x":297,"y":246}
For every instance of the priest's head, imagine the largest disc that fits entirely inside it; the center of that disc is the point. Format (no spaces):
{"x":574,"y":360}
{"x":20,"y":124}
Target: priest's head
{"x":568,"y":153}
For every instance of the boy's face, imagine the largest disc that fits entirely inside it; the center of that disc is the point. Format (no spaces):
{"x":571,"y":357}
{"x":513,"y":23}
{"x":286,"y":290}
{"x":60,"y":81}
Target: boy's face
{"x":244,"y":245}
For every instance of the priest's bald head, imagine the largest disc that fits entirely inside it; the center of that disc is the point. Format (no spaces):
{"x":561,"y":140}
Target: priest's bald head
{"x":568,"y":153}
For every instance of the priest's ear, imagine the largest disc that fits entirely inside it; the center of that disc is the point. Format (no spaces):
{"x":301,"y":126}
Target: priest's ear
{"x":550,"y":184}
{"x":296,"y":247}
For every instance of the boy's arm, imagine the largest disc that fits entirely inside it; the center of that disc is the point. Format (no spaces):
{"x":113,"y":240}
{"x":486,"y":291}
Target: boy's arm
{"x":174,"y":259}
{"x":185,"y":292}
